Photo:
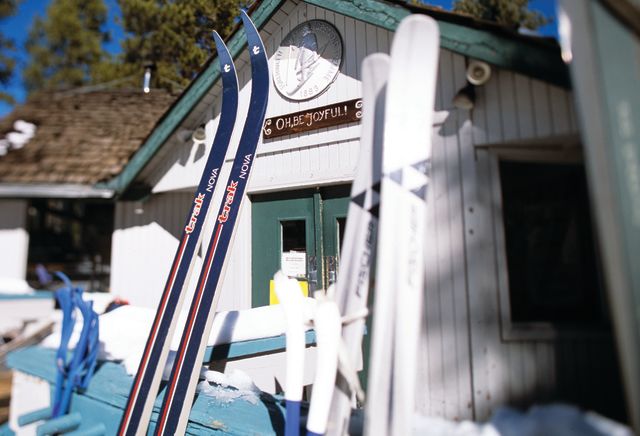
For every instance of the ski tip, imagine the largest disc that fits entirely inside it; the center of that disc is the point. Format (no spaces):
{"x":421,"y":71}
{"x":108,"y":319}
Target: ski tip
{"x":216,"y":37}
{"x":421,"y":28}
{"x":376,"y":58}
{"x":253,"y":37}
{"x":246,"y":21}
{"x":418,"y":20}
{"x":375,"y":69}
{"x":220,"y":45}
{"x":223,"y":51}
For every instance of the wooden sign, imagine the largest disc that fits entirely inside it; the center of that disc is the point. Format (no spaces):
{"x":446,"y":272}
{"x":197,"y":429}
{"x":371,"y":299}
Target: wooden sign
{"x":313,"y":119}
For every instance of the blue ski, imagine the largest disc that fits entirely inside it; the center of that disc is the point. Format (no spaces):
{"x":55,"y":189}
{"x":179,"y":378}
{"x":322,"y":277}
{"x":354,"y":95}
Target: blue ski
{"x":188,"y":363}
{"x":147,"y":380}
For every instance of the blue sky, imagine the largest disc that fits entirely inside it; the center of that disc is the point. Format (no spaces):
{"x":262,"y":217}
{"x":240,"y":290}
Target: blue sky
{"x":17,"y":27}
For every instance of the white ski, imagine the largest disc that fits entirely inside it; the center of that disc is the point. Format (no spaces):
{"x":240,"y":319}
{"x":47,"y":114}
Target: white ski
{"x":359,"y":247}
{"x":410,"y":97}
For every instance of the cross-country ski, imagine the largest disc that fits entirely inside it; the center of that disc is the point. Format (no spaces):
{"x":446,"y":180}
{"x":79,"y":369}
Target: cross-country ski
{"x":188,"y":363}
{"x":146,"y":382}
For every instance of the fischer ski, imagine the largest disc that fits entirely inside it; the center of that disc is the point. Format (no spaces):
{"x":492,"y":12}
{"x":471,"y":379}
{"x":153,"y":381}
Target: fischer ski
{"x":359,"y":247}
{"x":410,"y":97}
{"x":181,"y":387}
{"x":145,"y":386}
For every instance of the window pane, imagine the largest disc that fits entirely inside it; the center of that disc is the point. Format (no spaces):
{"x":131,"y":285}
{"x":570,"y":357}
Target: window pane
{"x":294,"y":236}
{"x":550,"y":244}
{"x":293,"y":260}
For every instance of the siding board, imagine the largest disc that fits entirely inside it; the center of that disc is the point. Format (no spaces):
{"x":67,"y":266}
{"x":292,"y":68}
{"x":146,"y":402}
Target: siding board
{"x":559,"y":111}
{"x":508,"y":107}
{"x":541,"y":108}
{"x":456,"y":234}
{"x":524,"y":109}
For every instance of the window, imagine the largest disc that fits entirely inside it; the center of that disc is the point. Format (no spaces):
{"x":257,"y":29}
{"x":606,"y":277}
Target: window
{"x":72,"y":236}
{"x":553,"y":279}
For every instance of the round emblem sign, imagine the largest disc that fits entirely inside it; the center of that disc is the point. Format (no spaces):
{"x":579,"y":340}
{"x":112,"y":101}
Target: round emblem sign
{"x":308,"y":60}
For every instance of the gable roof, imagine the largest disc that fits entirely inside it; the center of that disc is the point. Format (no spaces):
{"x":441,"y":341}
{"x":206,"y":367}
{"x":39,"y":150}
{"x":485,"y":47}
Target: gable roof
{"x":532,"y":56}
{"x":80,"y":139}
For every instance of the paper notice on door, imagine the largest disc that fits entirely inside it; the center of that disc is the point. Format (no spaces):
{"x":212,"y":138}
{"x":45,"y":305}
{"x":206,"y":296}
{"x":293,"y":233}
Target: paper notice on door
{"x":294,"y":264}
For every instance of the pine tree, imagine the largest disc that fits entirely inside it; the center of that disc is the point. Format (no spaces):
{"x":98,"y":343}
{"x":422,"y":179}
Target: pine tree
{"x":7,"y":62}
{"x":65,"y":47}
{"x":511,"y":13}
{"x":172,"y":35}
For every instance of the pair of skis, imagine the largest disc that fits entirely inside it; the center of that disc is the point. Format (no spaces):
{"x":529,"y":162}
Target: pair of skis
{"x":386,"y":228}
{"x":184,"y":375}
{"x":386,"y":220}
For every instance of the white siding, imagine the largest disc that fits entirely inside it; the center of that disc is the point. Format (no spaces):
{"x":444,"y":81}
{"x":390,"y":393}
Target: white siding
{"x":512,"y":108}
{"x":144,"y":243}
{"x":14,"y":239}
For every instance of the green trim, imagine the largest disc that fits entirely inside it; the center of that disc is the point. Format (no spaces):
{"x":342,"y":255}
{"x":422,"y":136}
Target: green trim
{"x":244,"y":349}
{"x":375,"y":12}
{"x":504,"y":51}
{"x":37,"y":295}
{"x":317,"y":230}
{"x":191,"y":97}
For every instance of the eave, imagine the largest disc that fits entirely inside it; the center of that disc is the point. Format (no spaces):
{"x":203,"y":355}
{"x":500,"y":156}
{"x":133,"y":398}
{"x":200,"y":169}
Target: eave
{"x":48,"y":190}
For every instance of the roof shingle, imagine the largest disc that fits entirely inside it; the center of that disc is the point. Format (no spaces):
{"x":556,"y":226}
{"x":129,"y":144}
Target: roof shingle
{"x":81,"y":137}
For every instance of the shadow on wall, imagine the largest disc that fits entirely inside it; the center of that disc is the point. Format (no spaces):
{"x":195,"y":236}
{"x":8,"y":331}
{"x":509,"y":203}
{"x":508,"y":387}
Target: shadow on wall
{"x":467,"y":370}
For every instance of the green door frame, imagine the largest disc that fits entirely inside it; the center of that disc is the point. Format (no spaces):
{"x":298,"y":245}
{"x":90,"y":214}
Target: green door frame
{"x":268,"y":212}
{"x":319,"y":208}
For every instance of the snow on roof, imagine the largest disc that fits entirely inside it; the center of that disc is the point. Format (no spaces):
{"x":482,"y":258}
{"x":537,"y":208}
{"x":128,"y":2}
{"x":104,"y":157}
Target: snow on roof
{"x":77,"y":137}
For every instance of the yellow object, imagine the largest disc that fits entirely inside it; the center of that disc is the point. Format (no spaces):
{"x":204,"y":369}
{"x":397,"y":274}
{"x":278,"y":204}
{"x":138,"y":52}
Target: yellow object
{"x":273,"y":298}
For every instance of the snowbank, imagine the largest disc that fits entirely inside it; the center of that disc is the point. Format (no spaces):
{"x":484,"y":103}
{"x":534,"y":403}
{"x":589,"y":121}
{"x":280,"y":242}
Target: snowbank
{"x":14,"y":286}
{"x":124,"y":331}
{"x":551,"y":420}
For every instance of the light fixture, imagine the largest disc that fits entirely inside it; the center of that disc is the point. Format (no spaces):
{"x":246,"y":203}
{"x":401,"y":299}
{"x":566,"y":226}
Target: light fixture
{"x":199,"y":135}
{"x":138,"y":208}
{"x":478,"y":72}
{"x":466,"y":97}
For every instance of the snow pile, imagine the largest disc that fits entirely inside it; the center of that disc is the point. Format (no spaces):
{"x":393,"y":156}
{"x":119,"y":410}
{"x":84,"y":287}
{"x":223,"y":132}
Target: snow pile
{"x":14,"y":286}
{"x":229,"y":387}
{"x":124,"y":331}
{"x":23,"y":132}
{"x":551,"y":420}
